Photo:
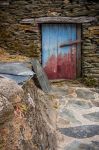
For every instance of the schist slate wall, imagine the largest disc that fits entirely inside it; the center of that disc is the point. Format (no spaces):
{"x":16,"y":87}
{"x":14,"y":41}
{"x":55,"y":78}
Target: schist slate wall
{"x":24,"y":37}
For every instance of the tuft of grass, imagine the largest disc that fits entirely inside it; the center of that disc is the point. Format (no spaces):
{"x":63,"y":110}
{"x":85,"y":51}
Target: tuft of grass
{"x":90,"y":81}
{"x":23,"y":108}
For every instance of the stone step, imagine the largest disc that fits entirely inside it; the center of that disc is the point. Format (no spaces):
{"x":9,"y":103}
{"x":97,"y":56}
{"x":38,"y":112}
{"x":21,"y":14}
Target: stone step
{"x":78,"y":145}
{"x":81,"y":132}
{"x":92,"y":116}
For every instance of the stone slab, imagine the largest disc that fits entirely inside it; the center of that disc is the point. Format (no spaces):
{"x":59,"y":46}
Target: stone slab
{"x":92,"y":116}
{"x":77,"y":145}
{"x":79,"y":104}
{"x":85,"y":94}
{"x":68,"y":115}
{"x":80,"y":132}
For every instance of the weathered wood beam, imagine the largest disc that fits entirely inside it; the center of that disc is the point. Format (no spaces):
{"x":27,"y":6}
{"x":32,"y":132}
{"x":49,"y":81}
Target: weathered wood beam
{"x":83,"y":19}
{"x":70,"y":43}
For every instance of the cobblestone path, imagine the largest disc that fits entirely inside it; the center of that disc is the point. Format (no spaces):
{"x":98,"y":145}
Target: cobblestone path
{"x":77,"y":117}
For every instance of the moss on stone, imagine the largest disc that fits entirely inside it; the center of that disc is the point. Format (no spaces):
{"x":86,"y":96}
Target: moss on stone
{"x":90,"y":81}
{"x":6,"y":57}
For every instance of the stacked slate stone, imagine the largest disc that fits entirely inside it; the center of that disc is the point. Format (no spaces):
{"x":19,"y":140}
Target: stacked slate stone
{"x":90,"y":50}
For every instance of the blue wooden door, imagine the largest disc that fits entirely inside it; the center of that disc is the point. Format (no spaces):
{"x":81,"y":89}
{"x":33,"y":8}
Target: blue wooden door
{"x":59,"y":62}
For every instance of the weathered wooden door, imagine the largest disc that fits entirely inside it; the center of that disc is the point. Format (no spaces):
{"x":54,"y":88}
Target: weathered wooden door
{"x":59,"y":60}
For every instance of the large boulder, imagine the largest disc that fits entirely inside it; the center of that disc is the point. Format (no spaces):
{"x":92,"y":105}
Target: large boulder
{"x":26,"y":117}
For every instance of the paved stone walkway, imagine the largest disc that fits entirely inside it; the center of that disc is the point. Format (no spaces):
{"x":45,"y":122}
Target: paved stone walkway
{"x":77,"y":117}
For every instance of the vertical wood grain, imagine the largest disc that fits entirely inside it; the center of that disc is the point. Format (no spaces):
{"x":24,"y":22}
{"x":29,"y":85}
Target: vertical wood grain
{"x":73,"y":50}
{"x":49,"y":49}
{"x":78,"y":51}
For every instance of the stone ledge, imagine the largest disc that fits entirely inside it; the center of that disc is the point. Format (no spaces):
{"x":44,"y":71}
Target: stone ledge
{"x":27,"y":21}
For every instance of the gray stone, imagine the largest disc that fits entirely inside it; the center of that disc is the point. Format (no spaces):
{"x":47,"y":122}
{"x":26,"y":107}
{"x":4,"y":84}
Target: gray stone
{"x":15,"y":68}
{"x":60,"y":91}
{"x":84,"y":131}
{"x":80,"y":104}
{"x":77,"y":145}
{"x":68,"y":115}
{"x":96,"y":89}
{"x":92,"y":116}
{"x":61,"y":123}
{"x":85,"y":94}
{"x":95,"y":103}
{"x":96,"y":143}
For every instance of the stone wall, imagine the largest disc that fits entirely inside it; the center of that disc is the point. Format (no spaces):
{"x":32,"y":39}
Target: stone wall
{"x":25,"y":38}
{"x":90,"y":50}
{"x":27,"y":118}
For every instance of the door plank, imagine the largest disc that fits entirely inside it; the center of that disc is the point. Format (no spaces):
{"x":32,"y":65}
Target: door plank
{"x":60,"y":51}
{"x":45,"y":44}
{"x":73,"y":51}
{"x":65,"y":60}
{"x":49,"y":50}
{"x":78,"y":51}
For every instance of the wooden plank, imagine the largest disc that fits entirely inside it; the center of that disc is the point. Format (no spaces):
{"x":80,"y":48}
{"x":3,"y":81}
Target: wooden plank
{"x":41,"y":76}
{"x":45,"y":43}
{"x":66,"y":55}
{"x":83,"y":19}
{"x":49,"y":49}
{"x":74,"y":51}
{"x":78,"y":50}
{"x":61,"y":51}
{"x":70,"y":43}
